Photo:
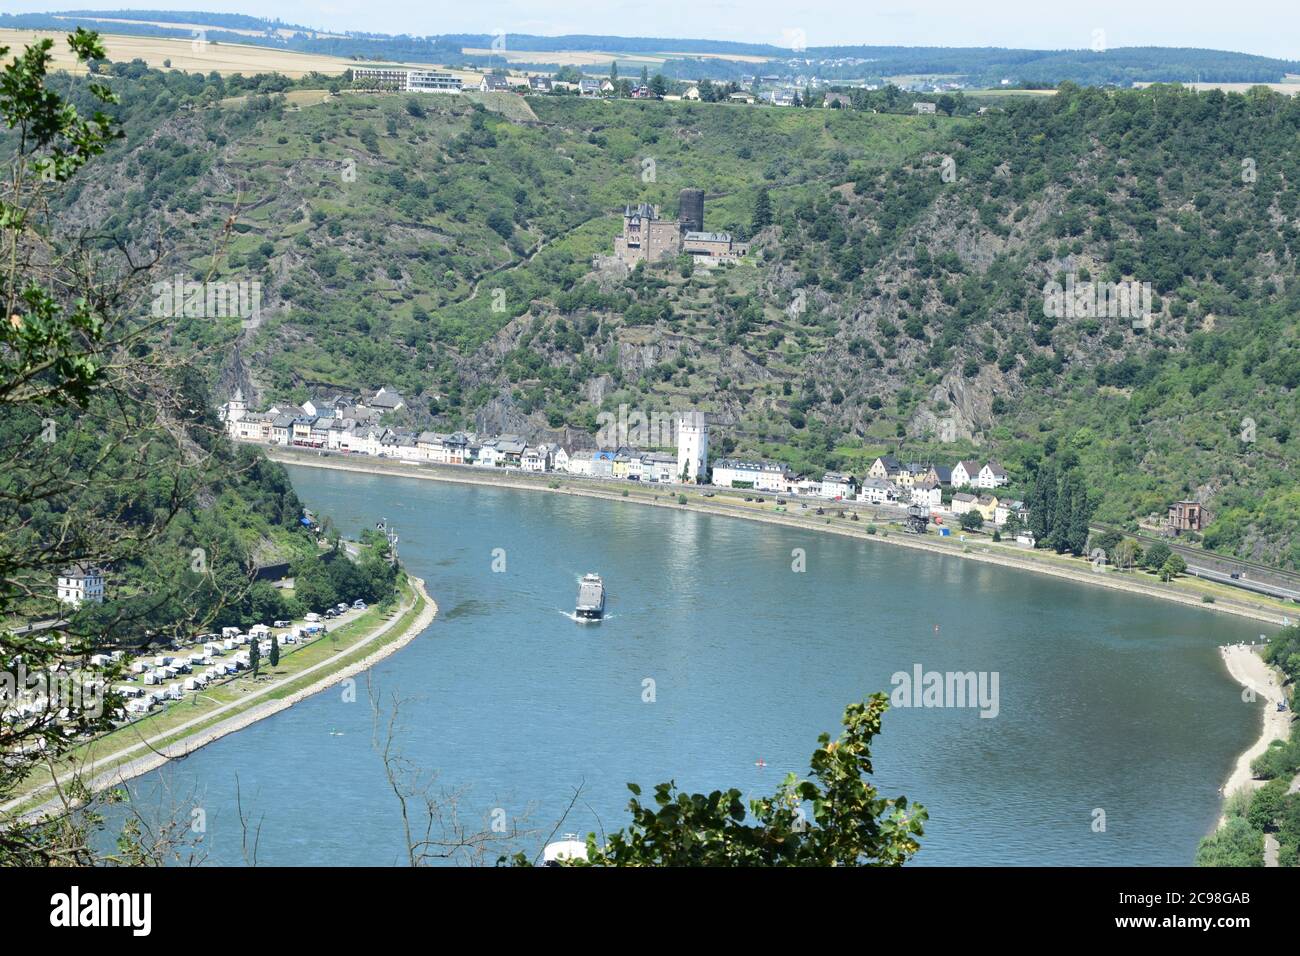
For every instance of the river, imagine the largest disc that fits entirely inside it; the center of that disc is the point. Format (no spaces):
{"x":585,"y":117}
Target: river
{"x":718,"y":666}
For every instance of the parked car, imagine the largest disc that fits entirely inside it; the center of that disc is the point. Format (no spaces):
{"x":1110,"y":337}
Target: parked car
{"x":358,"y":605}
{"x":283,"y":624}
{"x":331,"y":613}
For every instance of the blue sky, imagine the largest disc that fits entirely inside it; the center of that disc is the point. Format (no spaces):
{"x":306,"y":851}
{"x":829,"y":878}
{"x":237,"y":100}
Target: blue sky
{"x":1269,"y":27}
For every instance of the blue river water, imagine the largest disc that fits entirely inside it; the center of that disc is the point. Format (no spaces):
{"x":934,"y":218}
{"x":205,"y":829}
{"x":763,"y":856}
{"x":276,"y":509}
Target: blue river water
{"x":718,"y":666}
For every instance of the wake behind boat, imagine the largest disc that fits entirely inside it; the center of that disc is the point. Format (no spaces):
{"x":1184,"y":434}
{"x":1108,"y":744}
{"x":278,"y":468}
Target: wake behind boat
{"x":591,"y":598}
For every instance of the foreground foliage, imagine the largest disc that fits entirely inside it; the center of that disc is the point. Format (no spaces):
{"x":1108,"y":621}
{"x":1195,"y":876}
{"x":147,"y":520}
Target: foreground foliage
{"x":834,"y":818}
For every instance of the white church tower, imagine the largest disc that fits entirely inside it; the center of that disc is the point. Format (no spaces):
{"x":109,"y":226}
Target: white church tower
{"x":233,"y":410}
{"x":692,"y":446}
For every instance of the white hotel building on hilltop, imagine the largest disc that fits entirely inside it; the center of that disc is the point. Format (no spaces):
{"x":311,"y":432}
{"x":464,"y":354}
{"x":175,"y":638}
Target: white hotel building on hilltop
{"x":408,"y":81}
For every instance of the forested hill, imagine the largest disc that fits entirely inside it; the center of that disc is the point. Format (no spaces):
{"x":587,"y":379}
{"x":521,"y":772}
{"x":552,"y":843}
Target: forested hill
{"x":899,"y":283}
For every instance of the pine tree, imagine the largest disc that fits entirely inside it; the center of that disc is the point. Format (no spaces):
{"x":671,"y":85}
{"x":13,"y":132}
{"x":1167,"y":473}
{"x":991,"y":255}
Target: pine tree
{"x":1064,"y":516}
{"x":1042,"y":504}
{"x":762,"y":211}
{"x":255,"y":657}
{"x":274,"y":657}
{"x":1081,"y":509}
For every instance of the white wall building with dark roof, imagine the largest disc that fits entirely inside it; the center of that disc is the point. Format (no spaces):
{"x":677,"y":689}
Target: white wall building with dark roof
{"x":81,"y":584}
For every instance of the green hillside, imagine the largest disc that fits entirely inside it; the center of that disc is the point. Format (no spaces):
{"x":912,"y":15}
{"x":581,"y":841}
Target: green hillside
{"x":883,"y":300}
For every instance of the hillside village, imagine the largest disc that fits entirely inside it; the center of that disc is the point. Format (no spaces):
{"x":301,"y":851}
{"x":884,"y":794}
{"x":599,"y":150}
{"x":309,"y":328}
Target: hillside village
{"x":768,"y":89}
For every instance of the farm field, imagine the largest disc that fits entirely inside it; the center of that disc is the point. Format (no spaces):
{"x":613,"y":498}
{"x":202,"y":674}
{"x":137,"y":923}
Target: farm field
{"x":187,"y":55}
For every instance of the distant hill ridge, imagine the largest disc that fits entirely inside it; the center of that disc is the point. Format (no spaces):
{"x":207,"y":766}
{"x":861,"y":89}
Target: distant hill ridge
{"x":699,"y":58}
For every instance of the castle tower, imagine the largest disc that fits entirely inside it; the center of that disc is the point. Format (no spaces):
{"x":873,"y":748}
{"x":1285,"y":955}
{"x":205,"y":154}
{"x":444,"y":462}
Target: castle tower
{"x":692,"y":446}
{"x":690,"y":204}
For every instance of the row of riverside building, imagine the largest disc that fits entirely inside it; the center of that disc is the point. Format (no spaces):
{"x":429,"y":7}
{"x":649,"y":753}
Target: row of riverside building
{"x":887,"y":481}
{"x":351,"y":425}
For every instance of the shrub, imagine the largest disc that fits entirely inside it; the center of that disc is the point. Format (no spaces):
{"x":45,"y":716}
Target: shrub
{"x":1237,"y":843}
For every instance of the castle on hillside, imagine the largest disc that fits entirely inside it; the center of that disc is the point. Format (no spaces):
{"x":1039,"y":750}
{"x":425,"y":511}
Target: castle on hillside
{"x":648,"y":238}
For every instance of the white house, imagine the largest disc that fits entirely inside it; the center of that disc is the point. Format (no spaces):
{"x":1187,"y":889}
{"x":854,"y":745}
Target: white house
{"x":877,"y":491}
{"x":965,"y":473}
{"x":533,"y":459}
{"x":407,"y":448}
{"x":927,"y":494}
{"x":992,"y":475}
{"x":838,"y":486}
{"x":559,"y":459}
{"x":80,"y":584}
{"x":580,"y":463}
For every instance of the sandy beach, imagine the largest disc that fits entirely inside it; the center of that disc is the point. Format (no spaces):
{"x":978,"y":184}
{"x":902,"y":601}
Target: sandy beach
{"x":1248,"y":669}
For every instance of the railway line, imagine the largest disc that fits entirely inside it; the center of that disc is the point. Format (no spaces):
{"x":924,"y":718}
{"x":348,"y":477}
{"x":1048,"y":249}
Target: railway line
{"x":1234,"y":572}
